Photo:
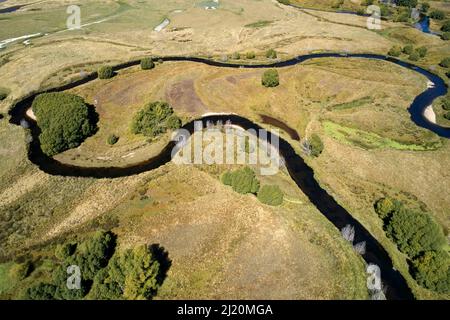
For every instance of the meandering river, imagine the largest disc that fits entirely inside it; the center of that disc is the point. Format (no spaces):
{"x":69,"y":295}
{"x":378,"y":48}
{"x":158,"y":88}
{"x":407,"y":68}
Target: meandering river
{"x":301,"y":173}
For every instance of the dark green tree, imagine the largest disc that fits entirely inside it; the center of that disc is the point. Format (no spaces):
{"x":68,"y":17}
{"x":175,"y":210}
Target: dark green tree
{"x":132,"y":274}
{"x":432,"y":270}
{"x":64,"y":119}
{"x":94,"y":253}
{"x":414,"y":232}
{"x":41,"y":291}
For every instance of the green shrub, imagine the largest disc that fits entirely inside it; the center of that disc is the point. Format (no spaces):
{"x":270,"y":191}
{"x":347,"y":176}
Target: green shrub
{"x":20,"y":271}
{"x":105,"y":72}
{"x":133,"y":274}
{"x":154,"y":119}
{"x":242,"y":181}
{"x":414,"y":232}
{"x":94,"y":253}
{"x":316,"y":145}
{"x":147,"y":64}
{"x":270,"y":78}
{"x":446,"y":26}
{"x":286,"y":2}
{"x":64,"y":251}
{"x":270,"y":195}
{"x":236,"y":56}
{"x":250,"y":55}
{"x":385,"y":207}
{"x":445,"y":63}
{"x":446,"y":36}
{"x":226,"y":178}
{"x":271,"y":54}
{"x":414,"y":56}
{"x":112,"y":139}
{"x":448,"y":74}
{"x":432,"y":270}
{"x":437,"y":15}
{"x":422,"y":51}
{"x":408,"y":49}
{"x":64,"y":119}
{"x":395,"y":51}
{"x":41,"y":291}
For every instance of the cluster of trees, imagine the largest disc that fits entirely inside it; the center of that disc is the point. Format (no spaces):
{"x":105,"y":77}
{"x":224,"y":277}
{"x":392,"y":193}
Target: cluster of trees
{"x":270,"y":78}
{"x":418,"y":236}
{"x":437,"y":14}
{"x":64,"y":119}
{"x":154,"y":119}
{"x":414,"y":54}
{"x":244,"y":181}
{"x":106,"y":273}
{"x":147,"y":64}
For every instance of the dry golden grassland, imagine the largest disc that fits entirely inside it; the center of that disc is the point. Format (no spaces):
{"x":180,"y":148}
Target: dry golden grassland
{"x":223,"y":245}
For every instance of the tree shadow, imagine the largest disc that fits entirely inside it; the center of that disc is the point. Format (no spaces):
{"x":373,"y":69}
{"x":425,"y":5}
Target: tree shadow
{"x":162,"y":256}
{"x":93,"y":118}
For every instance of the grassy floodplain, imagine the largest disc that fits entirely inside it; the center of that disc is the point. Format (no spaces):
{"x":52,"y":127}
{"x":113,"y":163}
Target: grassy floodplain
{"x":218,"y":240}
